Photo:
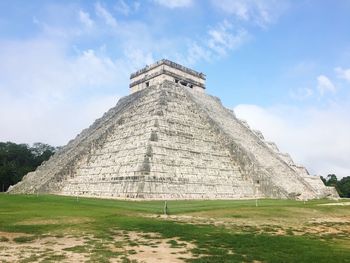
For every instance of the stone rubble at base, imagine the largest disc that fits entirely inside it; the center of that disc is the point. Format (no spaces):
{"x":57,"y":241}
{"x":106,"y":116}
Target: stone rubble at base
{"x":170,"y":140}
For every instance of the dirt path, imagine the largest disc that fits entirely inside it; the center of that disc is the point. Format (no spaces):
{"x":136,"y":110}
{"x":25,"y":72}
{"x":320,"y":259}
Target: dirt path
{"x":134,"y":246}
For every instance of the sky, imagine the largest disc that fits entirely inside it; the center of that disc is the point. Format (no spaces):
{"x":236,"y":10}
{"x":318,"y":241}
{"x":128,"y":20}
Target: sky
{"x":284,"y":66}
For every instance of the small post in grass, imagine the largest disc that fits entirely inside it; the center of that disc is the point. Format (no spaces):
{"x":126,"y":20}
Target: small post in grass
{"x":165,"y":208}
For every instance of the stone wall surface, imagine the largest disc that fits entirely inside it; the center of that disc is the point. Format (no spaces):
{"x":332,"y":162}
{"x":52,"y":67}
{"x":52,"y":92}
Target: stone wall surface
{"x":170,"y":142}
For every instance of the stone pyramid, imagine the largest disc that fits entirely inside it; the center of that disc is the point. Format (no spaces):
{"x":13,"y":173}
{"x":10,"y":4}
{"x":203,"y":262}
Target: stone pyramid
{"x":170,"y":140}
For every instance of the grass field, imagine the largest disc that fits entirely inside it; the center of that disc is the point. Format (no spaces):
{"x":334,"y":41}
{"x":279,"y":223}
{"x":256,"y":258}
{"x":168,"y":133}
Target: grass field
{"x":66,"y":229}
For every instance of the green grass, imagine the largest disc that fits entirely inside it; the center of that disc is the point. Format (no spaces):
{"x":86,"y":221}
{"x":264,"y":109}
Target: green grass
{"x":58,"y":215}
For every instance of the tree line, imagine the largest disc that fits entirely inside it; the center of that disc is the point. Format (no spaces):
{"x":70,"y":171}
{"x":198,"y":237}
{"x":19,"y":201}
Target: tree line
{"x":16,"y":160}
{"x":342,"y":185}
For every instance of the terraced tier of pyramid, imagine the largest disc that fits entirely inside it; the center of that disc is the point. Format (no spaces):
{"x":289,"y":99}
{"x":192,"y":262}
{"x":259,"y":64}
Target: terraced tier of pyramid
{"x":168,"y":140}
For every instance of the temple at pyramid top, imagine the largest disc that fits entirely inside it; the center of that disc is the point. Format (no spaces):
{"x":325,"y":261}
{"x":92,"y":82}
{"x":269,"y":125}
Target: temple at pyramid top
{"x":166,"y":70}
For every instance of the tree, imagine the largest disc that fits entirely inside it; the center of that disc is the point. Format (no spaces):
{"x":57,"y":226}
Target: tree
{"x":332,"y":180}
{"x":16,"y":160}
{"x":39,"y":148}
{"x":342,"y":186}
{"x":42,"y":152}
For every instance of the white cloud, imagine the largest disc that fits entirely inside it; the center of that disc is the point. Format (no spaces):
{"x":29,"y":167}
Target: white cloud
{"x":316,"y":138}
{"x":127,"y":8}
{"x":174,"y":3}
{"x":260,"y":12}
{"x":123,"y":7}
{"x":29,"y":120}
{"x":223,"y":38}
{"x":84,"y":18}
{"x":218,"y":41}
{"x":343,"y":73}
{"x":138,"y":58}
{"x":301,"y":93}
{"x":237,"y":8}
{"x":43,"y":67}
{"x":105,"y":15}
{"x":195,"y":53}
{"x":324,"y":84}
{"x":48,"y":96}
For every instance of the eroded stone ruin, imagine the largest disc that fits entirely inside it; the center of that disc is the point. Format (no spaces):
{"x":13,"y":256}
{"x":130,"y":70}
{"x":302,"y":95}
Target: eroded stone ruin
{"x":170,"y":140}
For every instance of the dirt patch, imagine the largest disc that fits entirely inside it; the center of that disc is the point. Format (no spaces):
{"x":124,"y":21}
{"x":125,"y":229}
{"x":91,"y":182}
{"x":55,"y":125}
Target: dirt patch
{"x":49,"y":248}
{"x":280,"y":232}
{"x":125,"y":245}
{"x":11,"y":235}
{"x":151,"y":247}
{"x":337,"y":203}
{"x":338,"y":227}
{"x":40,"y":221}
{"x":338,"y":220}
{"x":163,"y":252}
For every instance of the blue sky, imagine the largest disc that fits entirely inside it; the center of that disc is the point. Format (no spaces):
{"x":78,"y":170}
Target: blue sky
{"x":284,"y":66}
